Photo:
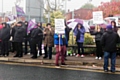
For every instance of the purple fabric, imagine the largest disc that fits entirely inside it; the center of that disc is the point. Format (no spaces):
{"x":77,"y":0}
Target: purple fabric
{"x":82,"y":31}
{"x":79,"y":21}
{"x":31,"y":25}
{"x":19,"y":11}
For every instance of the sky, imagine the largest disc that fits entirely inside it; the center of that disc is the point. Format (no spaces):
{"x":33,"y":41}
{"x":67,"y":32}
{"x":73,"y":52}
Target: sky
{"x":71,"y":5}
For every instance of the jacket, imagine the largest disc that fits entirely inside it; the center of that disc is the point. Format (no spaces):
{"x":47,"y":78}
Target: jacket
{"x":36,"y":35}
{"x":5,"y":33}
{"x":60,"y":41}
{"x":49,"y":37}
{"x":98,"y":35}
{"x":19,"y":34}
{"x":109,"y":41}
{"x":82,"y":32}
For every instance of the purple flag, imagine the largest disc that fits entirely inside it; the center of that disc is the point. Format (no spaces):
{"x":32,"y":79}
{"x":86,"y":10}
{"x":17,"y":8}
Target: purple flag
{"x":19,"y":11}
{"x":11,"y":17}
{"x":31,"y":25}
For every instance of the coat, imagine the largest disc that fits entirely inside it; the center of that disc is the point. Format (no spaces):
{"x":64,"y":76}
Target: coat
{"x":5,"y":33}
{"x":109,"y":41}
{"x":49,"y":37}
{"x":36,"y":35}
{"x":19,"y":34}
{"x":82,"y":32}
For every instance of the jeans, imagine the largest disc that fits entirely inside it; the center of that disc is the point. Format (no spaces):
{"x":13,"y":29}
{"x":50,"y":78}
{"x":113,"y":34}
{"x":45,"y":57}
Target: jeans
{"x":112,"y":56}
{"x":60,"y":51}
{"x":46,"y":52}
{"x":80,"y":45}
{"x":98,"y":49}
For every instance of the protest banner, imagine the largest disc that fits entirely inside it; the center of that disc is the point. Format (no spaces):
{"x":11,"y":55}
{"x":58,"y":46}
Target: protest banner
{"x":97,"y":17}
{"x":59,"y":26}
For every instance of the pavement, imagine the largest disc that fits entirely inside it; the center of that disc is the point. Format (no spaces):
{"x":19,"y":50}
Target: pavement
{"x":77,"y":62}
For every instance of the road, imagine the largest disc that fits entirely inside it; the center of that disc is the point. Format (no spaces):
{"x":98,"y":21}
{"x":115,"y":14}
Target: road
{"x":28,"y":72}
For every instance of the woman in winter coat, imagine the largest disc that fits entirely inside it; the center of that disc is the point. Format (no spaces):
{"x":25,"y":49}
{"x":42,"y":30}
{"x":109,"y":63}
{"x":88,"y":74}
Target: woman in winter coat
{"x":48,"y":40}
{"x":79,"y":32}
{"x":98,"y":34}
{"x":113,"y":23}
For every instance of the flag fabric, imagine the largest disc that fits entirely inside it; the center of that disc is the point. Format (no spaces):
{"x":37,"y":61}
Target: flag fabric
{"x":19,"y":11}
{"x":31,"y":25}
{"x":11,"y":17}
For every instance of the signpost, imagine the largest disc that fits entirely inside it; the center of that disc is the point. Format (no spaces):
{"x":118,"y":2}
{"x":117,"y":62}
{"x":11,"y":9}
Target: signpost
{"x":97,"y":17}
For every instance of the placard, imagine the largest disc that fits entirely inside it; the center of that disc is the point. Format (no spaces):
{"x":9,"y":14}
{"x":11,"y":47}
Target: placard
{"x":97,"y":17}
{"x":59,"y":26}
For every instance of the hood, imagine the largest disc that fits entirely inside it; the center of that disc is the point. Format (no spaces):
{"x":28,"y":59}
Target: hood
{"x":110,"y":31}
{"x":5,"y":24}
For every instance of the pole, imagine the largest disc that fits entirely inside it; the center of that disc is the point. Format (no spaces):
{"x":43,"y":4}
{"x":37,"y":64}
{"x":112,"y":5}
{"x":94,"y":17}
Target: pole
{"x":65,"y":6}
{"x":2,"y":6}
{"x":29,"y":9}
{"x":48,"y":16}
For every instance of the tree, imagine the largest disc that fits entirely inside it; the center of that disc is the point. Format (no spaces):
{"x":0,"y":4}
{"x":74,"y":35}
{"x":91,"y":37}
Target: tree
{"x":109,"y":8}
{"x":51,"y":8}
{"x":55,"y":15}
{"x":88,"y":6}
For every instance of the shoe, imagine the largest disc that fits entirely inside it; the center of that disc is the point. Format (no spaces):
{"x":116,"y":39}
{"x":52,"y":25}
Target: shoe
{"x":105,"y":70}
{"x":96,"y":57}
{"x":20,"y":56}
{"x":77,"y":55}
{"x":63,"y":64}
{"x":57,"y":66}
{"x":33,"y":57}
{"x":16,"y":56}
{"x":82,"y":56}
{"x":100,"y":58}
{"x":112,"y":71}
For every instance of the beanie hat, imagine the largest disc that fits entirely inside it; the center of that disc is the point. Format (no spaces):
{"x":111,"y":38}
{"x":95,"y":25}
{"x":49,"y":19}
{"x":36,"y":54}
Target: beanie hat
{"x":109,"y":27}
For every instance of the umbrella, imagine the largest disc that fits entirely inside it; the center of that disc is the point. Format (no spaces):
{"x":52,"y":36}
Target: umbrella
{"x":72,"y":23}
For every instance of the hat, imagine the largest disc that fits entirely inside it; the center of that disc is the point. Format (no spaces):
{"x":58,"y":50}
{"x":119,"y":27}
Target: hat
{"x":109,"y":27}
{"x":20,"y":22}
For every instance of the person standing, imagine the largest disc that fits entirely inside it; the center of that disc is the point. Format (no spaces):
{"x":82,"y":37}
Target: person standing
{"x":41,"y":37}
{"x":60,"y":43}
{"x":5,"y":36}
{"x":109,"y":41}
{"x":79,"y":35}
{"x":114,"y":27}
{"x":35,"y":34}
{"x":48,"y":40}
{"x":26,"y":37}
{"x":98,"y":34}
{"x":0,"y":37}
{"x":18,"y":39}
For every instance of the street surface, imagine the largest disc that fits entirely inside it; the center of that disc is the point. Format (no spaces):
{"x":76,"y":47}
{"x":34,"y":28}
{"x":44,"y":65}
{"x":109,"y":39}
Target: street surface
{"x":18,"y":71}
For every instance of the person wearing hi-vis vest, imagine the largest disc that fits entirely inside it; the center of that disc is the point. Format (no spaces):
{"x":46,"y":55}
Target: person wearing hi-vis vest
{"x":60,"y":43}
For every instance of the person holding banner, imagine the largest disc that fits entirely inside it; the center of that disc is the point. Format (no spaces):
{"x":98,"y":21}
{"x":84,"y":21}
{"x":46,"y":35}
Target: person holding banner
{"x":98,"y":34}
{"x":36,"y":35}
{"x":60,"y":43}
{"x":48,"y":40}
{"x":79,"y":32}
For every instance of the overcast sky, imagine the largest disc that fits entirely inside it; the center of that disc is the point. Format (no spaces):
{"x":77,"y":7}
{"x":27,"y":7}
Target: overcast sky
{"x":72,"y":4}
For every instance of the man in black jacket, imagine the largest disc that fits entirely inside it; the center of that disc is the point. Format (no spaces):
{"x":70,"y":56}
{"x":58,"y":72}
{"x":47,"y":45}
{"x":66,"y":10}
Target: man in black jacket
{"x":41,"y":37}
{"x":109,"y":41}
{"x":26,"y":37}
{"x":36,"y":35}
{"x":5,"y":36}
{"x":18,"y":39}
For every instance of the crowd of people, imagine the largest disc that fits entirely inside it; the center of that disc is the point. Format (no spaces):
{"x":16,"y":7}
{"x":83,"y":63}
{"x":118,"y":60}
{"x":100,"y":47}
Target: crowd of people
{"x":17,"y":32}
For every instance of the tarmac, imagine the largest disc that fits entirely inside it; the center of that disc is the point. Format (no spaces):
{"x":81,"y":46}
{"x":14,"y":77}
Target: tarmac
{"x":88,"y":62}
